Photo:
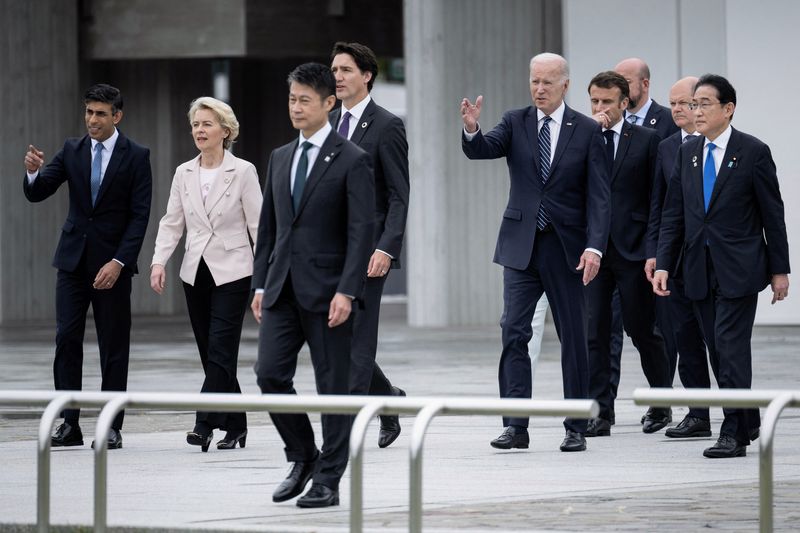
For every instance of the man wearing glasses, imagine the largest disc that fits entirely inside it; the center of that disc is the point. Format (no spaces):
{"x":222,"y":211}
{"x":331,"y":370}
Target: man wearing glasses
{"x":723,"y":231}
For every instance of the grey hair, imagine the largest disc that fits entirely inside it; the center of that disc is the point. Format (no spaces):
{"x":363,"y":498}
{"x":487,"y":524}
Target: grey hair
{"x":549,"y":56}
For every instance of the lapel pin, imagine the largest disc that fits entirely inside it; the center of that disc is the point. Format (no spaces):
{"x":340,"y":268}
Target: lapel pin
{"x":363,"y":125}
{"x":652,"y":121}
{"x":694,"y":159}
{"x":569,"y":123}
{"x":327,"y":158}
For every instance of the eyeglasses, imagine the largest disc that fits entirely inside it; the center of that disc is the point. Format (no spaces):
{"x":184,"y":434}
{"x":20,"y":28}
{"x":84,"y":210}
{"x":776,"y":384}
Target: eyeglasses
{"x":705,"y":106}
{"x":678,"y":105}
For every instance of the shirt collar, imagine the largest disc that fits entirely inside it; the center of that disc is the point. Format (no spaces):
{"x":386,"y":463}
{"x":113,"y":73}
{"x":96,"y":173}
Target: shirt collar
{"x":642,"y":113}
{"x":684,"y":134}
{"x":358,"y":109}
{"x":616,"y":128}
{"x":319,"y":137}
{"x":557,"y":115}
{"x":721,"y":142}
{"x":108,"y":144}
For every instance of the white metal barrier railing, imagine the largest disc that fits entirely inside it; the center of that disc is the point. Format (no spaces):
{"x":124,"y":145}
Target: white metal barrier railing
{"x":774,"y":400}
{"x":366,"y":407}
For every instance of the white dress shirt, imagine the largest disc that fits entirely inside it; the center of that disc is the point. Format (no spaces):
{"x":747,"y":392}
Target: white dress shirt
{"x":355,"y":115}
{"x":316,"y":140}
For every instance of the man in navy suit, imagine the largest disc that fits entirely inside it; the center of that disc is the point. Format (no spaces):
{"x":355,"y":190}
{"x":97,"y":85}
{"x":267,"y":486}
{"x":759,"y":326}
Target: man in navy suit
{"x":723,"y":229}
{"x":313,"y":247}
{"x":383,"y":136}
{"x":110,"y":185}
{"x":674,"y":312}
{"x":553,"y":234}
{"x":631,"y":152}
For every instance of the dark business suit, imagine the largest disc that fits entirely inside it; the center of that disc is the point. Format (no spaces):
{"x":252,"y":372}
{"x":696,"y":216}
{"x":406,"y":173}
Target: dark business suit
{"x":675,"y":312}
{"x":383,"y":136}
{"x":623,"y":269}
{"x":727,"y":255}
{"x":658,"y":118}
{"x":302,"y":260}
{"x":112,"y":228}
{"x":576,"y":197}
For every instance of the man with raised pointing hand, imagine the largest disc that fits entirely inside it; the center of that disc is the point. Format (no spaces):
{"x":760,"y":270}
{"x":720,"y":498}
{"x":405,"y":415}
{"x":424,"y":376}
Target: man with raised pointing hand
{"x":553,"y":234}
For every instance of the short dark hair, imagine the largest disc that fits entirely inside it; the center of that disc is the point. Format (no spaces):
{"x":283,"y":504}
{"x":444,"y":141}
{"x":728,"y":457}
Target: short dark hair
{"x":315,"y":75}
{"x":610,"y":79}
{"x":364,"y":57}
{"x":725,"y":90}
{"x":106,"y":94}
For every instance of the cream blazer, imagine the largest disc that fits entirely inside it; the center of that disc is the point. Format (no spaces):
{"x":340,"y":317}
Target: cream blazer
{"x":217,"y":229}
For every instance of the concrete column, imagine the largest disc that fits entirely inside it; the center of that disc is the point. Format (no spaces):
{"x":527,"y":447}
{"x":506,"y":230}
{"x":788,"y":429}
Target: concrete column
{"x":41,"y":105}
{"x":456,"y":49}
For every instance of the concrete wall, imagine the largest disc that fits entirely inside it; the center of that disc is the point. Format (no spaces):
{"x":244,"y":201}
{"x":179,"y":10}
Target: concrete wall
{"x":752,"y":44}
{"x":458,"y":49}
{"x":41,"y":104}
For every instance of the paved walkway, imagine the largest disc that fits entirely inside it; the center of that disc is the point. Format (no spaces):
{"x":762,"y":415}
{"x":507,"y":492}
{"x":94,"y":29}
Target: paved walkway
{"x":627,"y":482}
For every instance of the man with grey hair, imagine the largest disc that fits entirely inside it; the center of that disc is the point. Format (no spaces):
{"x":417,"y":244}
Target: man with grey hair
{"x":553,"y":234}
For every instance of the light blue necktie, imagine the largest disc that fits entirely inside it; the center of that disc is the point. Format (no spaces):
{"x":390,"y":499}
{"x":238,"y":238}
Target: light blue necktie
{"x":97,"y":170}
{"x":709,"y":175}
{"x":542,"y":218}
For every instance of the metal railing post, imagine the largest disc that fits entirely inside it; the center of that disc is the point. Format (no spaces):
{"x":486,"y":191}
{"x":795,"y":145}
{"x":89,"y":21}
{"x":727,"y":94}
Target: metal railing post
{"x":424,"y":418}
{"x":357,"y":434}
{"x":49,"y":416}
{"x":765,"y":470}
{"x":104,"y":421}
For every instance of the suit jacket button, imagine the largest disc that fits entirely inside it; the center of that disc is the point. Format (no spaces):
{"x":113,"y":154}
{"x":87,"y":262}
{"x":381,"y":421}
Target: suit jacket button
{"x":227,"y":194}
{"x":219,"y":213}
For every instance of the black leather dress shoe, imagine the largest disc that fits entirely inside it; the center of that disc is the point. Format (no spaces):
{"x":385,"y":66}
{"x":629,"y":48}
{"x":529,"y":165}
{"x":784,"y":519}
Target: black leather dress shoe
{"x":598,"y":427}
{"x":690,"y":426}
{"x":573,"y":442}
{"x":319,"y":496}
{"x":296,"y":481}
{"x":231,"y":438}
{"x":67,"y":435}
{"x":114,"y":440}
{"x":656,"y":418}
{"x":390,"y":424}
{"x":512,"y":437}
{"x":725,"y":447}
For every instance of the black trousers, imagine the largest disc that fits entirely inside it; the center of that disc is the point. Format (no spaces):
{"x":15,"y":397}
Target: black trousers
{"x":638,"y":316}
{"x":217,"y":313}
{"x":112,"y":318}
{"x":692,"y":359}
{"x":547,"y":273}
{"x":366,"y":377}
{"x":727,"y":326}
{"x":285,"y":327}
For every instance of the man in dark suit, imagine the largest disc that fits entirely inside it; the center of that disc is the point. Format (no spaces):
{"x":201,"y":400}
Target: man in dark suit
{"x":110,"y":186}
{"x":723,"y":228}
{"x":312,"y":250}
{"x":631,"y":156}
{"x":642,"y":111}
{"x":553,"y":234}
{"x":674,"y":312}
{"x":383,"y":136}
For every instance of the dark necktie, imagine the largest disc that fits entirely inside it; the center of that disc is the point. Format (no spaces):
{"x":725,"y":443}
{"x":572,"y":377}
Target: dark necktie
{"x":633,"y":119}
{"x":97,"y":169}
{"x":542,"y":218}
{"x":609,"y":135}
{"x":709,"y":175}
{"x":344,"y":126}
{"x":300,"y":175}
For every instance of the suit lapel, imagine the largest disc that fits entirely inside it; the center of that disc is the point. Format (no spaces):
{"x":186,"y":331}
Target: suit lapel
{"x":120,"y":149}
{"x":191,"y":189}
{"x":364,"y":123}
{"x":625,"y":138}
{"x":223,"y":182}
{"x":84,"y":179}
{"x":327,"y":153}
{"x":532,"y":129}
{"x":283,"y":176}
{"x":729,"y":159}
{"x":697,"y":174}
{"x":564,"y":135}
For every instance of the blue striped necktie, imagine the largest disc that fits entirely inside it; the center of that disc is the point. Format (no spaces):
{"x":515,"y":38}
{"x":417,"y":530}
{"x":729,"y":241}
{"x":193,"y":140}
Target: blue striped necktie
{"x":542,"y":218}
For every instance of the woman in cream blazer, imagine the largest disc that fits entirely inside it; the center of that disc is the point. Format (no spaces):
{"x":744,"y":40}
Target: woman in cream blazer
{"x":216,"y":199}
